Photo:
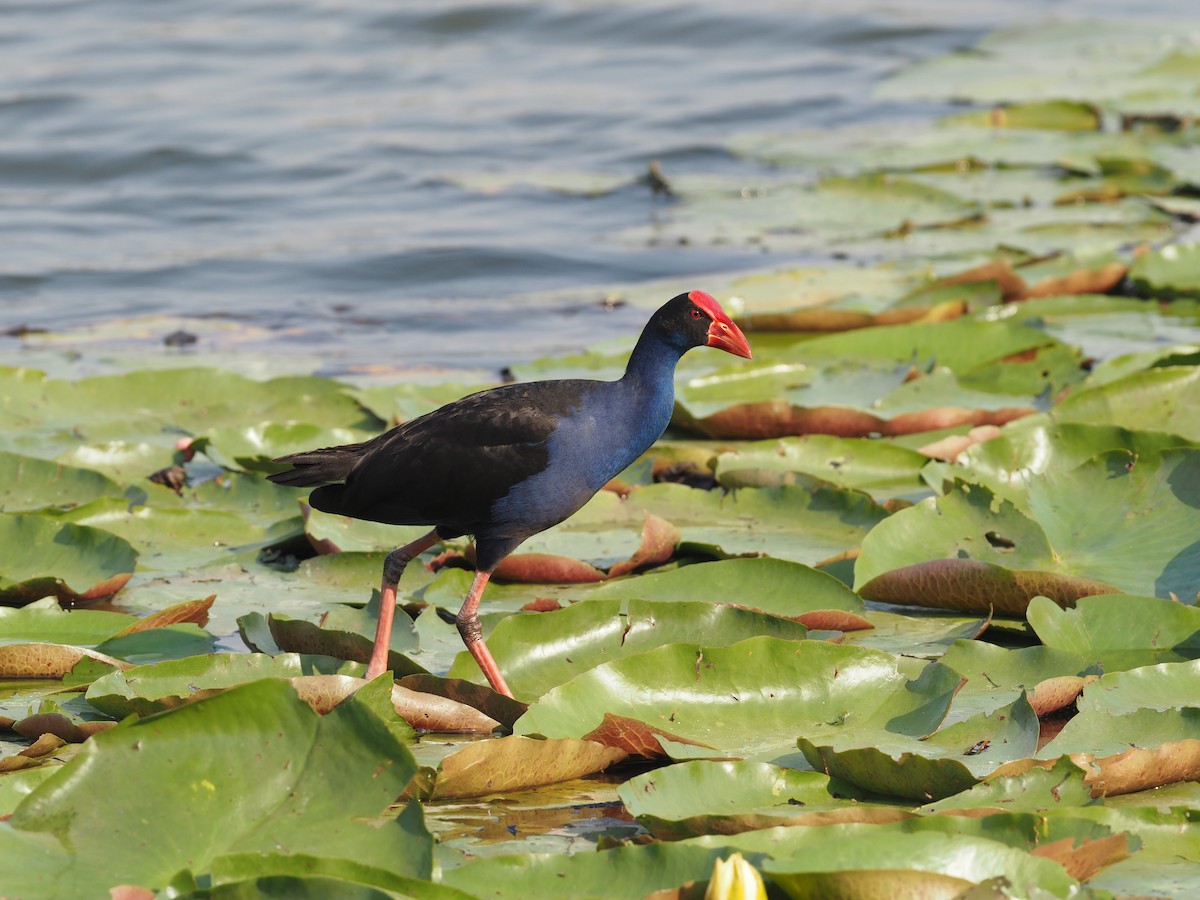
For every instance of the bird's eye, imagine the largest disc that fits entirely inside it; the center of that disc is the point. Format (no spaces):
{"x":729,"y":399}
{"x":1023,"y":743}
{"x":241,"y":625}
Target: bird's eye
{"x":695,"y":313}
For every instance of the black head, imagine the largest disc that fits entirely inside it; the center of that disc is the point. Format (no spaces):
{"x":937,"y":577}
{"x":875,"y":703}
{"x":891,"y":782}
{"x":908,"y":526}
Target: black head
{"x":695,"y":319}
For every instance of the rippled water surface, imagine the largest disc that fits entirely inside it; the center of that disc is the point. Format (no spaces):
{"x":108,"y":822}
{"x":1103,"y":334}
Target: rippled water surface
{"x":335,"y":178}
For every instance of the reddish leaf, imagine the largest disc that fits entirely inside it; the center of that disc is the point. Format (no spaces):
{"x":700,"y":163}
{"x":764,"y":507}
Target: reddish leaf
{"x":659,"y":540}
{"x":1054,"y":694}
{"x":634,"y":737}
{"x":974,"y":586}
{"x":194,"y":611}
{"x":60,"y":726}
{"x":1084,"y":859}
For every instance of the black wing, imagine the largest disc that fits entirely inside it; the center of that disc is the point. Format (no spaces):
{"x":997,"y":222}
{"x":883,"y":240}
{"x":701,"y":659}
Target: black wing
{"x":449,"y":466}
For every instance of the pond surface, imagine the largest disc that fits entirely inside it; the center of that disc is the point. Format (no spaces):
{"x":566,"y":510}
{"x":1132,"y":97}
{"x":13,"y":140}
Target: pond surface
{"x":422,"y":184}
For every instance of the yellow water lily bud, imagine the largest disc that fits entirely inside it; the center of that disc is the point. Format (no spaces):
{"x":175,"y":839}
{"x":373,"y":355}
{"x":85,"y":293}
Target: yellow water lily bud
{"x":735,"y":879}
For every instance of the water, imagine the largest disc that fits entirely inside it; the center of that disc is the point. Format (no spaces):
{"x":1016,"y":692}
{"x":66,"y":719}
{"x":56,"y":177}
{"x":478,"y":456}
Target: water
{"x":327,"y":179}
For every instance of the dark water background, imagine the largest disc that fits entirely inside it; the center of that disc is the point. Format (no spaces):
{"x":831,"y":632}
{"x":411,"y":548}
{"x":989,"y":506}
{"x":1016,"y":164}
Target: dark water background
{"x":308,"y":172}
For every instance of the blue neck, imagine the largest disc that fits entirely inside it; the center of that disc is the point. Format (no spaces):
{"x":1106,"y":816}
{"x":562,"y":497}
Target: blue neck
{"x":649,"y":384}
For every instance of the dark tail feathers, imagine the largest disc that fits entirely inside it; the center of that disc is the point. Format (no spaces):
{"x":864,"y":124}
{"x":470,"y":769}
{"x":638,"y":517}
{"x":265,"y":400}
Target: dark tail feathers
{"x":316,"y":467}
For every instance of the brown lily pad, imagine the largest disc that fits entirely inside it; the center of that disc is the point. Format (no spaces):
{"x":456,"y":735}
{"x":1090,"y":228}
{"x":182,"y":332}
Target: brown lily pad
{"x":1132,"y":770}
{"x":635,"y":737}
{"x":504,"y":710}
{"x":974,"y":586}
{"x":425,"y":712}
{"x":60,"y":726}
{"x":507,"y":764}
{"x":39,"y":660}
{"x":1058,"y":693}
{"x":298,"y":636}
{"x":189,"y":611}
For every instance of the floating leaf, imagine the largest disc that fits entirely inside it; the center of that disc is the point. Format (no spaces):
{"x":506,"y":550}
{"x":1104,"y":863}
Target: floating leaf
{"x":1169,"y":272}
{"x":29,"y":483}
{"x":786,"y":523}
{"x":149,"y":689}
{"x":750,"y":699}
{"x":503,"y":765}
{"x":709,"y":797}
{"x":937,"y":766}
{"x":72,"y":562}
{"x":537,"y":651}
{"x":275,"y":774}
{"x":1062,"y":543}
{"x":774,"y":586}
{"x":881,"y":469}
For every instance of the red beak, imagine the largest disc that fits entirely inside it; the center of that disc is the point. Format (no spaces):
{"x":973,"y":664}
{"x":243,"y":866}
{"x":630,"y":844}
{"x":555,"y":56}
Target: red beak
{"x":724,"y":335}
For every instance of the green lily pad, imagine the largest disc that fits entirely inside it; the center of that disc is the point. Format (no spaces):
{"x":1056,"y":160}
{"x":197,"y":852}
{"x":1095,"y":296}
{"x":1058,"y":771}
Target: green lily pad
{"x":174,"y":539}
{"x":633,"y":871}
{"x":1101,"y":732}
{"x":47,"y":622}
{"x":1169,"y":272}
{"x":152,"y":688}
{"x":1119,"y":631}
{"x":1164,"y":686}
{"x":1159,"y":399}
{"x":774,"y":586}
{"x":750,"y":699}
{"x":1037,"y":790}
{"x":1029,"y":448}
{"x":1059,"y":115}
{"x":401,"y":402}
{"x":786,"y":523}
{"x":251,"y":448}
{"x":275,"y":774}
{"x":1056,"y":545}
{"x":877,"y":467}
{"x":538,"y":651}
{"x":710,"y":797}
{"x":929,"y":768}
{"x":940,"y":864}
{"x":71,"y":562}
{"x":29,"y":483}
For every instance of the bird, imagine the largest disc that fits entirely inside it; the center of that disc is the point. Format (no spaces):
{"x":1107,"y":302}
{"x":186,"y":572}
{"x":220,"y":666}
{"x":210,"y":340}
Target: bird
{"x":508,"y":462}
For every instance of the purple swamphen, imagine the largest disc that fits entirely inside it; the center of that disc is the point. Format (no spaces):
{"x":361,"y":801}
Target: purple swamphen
{"x":506,"y":463}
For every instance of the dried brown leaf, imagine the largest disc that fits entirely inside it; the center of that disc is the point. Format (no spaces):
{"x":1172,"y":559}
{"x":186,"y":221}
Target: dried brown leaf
{"x":425,"y":712}
{"x":40,"y":660}
{"x":974,"y":586}
{"x":1056,"y":693}
{"x":504,"y":710}
{"x":1084,"y":859}
{"x":659,"y":540}
{"x":515,"y":763}
{"x":194,"y":611}
{"x":634,"y":737}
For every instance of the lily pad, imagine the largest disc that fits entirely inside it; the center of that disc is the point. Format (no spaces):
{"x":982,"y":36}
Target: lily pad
{"x":933,"y":767}
{"x":71,"y":562}
{"x":877,"y":467}
{"x":268,"y":757}
{"x":30,"y":483}
{"x":1057,"y":545}
{"x":149,"y":689}
{"x":1172,"y":271}
{"x":709,"y":797}
{"x":750,"y":699}
{"x":786,"y":523}
{"x":538,"y":651}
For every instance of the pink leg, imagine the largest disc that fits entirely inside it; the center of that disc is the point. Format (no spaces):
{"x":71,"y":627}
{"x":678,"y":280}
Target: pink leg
{"x":472,"y":634}
{"x":393,"y":568}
